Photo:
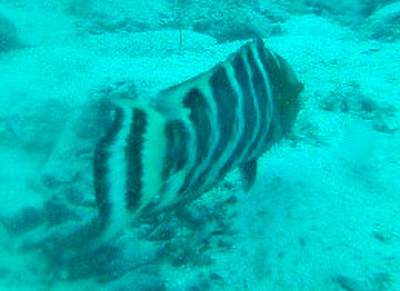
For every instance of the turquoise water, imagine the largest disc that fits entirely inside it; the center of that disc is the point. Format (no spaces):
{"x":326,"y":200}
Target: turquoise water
{"x":323,"y":213}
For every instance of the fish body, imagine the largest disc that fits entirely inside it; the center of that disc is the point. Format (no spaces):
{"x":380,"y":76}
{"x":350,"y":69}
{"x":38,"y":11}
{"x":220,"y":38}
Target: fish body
{"x":183,"y":142}
{"x":171,"y":149}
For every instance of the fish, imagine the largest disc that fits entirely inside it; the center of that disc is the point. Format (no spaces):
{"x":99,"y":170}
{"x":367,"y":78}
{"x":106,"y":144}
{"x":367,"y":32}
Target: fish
{"x":169,"y":150}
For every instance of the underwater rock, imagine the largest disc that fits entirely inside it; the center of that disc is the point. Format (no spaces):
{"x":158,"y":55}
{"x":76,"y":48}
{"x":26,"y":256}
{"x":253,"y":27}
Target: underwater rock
{"x":237,"y":20}
{"x":99,"y":17}
{"x":274,"y":10}
{"x":8,"y":35}
{"x":37,"y":124}
{"x":234,"y":23}
{"x":321,"y":7}
{"x":348,"y":98}
{"x":102,"y":23}
{"x":348,"y":12}
{"x":384,"y":24}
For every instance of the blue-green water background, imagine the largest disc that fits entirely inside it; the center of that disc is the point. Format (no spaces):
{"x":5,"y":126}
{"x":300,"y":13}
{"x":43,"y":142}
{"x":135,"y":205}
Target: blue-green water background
{"x":324,"y":213}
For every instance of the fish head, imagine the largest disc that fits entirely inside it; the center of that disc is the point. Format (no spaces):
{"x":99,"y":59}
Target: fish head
{"x":288,"y":99}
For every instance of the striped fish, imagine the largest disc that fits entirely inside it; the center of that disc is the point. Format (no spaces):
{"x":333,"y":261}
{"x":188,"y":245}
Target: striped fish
{"x":171,"y":149}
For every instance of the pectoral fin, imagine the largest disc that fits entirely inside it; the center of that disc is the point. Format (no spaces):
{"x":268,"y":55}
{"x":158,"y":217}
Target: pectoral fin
{"x":248,"y":172}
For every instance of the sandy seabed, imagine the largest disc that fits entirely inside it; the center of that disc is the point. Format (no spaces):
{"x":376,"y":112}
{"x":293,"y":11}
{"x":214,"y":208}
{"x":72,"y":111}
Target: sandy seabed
{"x":324,"y":213}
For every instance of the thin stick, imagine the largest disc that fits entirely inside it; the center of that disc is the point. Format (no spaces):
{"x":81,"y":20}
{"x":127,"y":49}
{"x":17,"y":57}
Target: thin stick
{"x":178,"y":10}
{"x":180,"y":38}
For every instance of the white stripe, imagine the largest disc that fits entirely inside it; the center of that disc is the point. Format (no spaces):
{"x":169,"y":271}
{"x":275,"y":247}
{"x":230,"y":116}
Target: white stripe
{"x":206,"y":91}
{"x":277,"y":62}
{"x":117,"y":167}
{"x":269,"y":106}
{"x":255,"y":103}
{"x":176,"y":181}
{"x":152,"y":157}
{"x":239,"y":129}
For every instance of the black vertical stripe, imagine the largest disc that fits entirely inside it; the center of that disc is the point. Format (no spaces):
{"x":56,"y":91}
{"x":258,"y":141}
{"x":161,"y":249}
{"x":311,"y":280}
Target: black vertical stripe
{"x":189,"y":184}
{"x":272,"y":136}
{"x":275,"y":74}
{"x":226,"y":100}
{"x":176,"y":155}
{"x":270,"y":67}
{"x":249,"y":113}
{"x":100,"y":166}
{"x":199,"y":116}
{"x":133,"y":155}
{"x":261,"y":95}
{"x":170,"y":150}
{"x":249,"y":110}
{"x":181,"y":150}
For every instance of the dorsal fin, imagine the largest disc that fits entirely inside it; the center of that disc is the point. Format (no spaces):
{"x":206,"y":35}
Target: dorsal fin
{"x":170,"y":101}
